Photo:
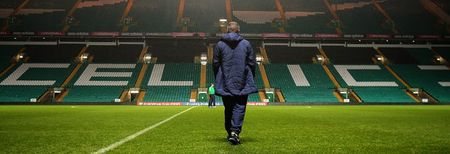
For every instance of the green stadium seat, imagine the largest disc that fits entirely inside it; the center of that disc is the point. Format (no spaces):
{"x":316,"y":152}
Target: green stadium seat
{"x":11,"y":91}
{"x":374,"y":89}
{"x":426,"y":79}
{"x":319,"y":91}
{"x":176,"y":91}
{"x":100,"y":93}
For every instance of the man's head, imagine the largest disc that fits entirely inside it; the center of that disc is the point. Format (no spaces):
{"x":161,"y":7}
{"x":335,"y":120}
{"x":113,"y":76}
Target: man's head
{"x":233,"y":27}
{"x":212,"y":84}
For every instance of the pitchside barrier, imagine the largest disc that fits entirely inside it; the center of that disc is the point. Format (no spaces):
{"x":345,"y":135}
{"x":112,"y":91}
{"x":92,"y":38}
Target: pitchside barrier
{"x":192,"y":104}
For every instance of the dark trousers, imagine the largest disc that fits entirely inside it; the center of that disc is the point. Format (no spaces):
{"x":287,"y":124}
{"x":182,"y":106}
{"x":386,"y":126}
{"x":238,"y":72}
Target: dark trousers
{"x":212,"y":100}
{"x":234,"y":112}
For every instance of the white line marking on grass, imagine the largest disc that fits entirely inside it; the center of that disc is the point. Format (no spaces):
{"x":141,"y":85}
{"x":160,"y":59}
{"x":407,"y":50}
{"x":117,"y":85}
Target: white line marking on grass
{"x":131,"y":137}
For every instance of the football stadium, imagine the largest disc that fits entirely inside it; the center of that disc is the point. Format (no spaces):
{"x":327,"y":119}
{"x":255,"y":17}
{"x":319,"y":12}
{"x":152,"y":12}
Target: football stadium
{"x":134,"y":76}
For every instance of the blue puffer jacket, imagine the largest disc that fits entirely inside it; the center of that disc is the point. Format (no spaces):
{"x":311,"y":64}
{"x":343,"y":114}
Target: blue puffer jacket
{"x":234,"y":66}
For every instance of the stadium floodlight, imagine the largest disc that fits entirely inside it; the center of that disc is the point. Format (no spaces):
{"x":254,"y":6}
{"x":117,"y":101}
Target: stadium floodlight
{"x":20,"y":55}
{"x":147,"y":58}
{"x":343,"y":90}
{"x":380,"y":58}
{"x":259,"y":59}
{"x":57,"y":90}
{"x":223,"y":20}
{"x":134,"y":90}
{"x":415,"y":91}
{"x":203,"y":58}
{"x":84,"y":57}
{"x":439,"y":59}
{"x":320,"y":59}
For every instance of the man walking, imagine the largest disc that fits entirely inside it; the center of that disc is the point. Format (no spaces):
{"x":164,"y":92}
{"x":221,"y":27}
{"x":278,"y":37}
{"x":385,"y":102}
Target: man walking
{"x":212,"y":97}
{"x":234,"y":67}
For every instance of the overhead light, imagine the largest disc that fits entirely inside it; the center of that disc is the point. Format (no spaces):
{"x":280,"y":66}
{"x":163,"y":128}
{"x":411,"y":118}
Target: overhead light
{"x":379,"y":57}
{"x":203,"y":56}
{"x":415,"y":91}
{"x":147,"y":58}
{"x":134,"y":90}
{"x":259,"y":58}
{"x":343,"y":90}
{"x":20,"y":55}
{"x":84,"y":56}
{"x":57,"y":90}
{"x":203,"y":59}
{"x":223,"y":20}
{"x":320,"y":58}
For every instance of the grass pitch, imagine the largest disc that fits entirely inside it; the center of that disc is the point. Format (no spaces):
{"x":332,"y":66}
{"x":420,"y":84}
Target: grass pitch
{"x":271,"y":129}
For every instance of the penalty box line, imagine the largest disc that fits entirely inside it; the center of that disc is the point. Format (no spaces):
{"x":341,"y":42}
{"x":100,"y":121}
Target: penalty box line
{"x":131,"y":137}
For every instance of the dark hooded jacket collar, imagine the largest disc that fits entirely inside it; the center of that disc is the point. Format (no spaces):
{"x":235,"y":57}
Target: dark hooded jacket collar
{"x":232,"y":39}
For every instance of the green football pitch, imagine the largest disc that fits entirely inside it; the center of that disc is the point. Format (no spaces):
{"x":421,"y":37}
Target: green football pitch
{"x":267,"y":129}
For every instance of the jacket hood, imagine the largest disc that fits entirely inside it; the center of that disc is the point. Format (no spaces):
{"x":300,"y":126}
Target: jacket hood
{"x":232,"y":39}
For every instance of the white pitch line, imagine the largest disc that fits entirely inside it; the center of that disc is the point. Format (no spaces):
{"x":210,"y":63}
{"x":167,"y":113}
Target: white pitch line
{"x":131,"y":137}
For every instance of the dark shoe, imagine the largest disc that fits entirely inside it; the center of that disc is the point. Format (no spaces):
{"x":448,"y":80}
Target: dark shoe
{"x":234,"y":139}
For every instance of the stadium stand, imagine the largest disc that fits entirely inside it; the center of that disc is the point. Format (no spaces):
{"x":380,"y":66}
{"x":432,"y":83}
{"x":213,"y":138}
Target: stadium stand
{"x":372,"y":83}
{"x":205,"y":14}
{"x":106,"y":84}
{"x":109,"y":80}
{"x":6,"y":8}
{"x":428,"y":78}
{"x":399,"y":56}
{"x":354,"y":14}
{"x":255,"y":16}
{"x":343,"y":55}
{"x":52,"y":53}
{"x":91,"y":16}
{"x":422,"y":56}
{"x":411,"y":18}
{"x":111,"y":54}
{"x":175,"y":84}
{"x":444,"y":4}
{"x":308,"y":17}
{"x":291,"y":55}
{"x":6,"y":55}
{"x":317,"y":89}
{"x":178,"y":50}
{"x":153,"y":16}
{"x":42,"y":15}
{"x":10,"y":3}
{"x":31,"y":80}
{"x":444,"y":52}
